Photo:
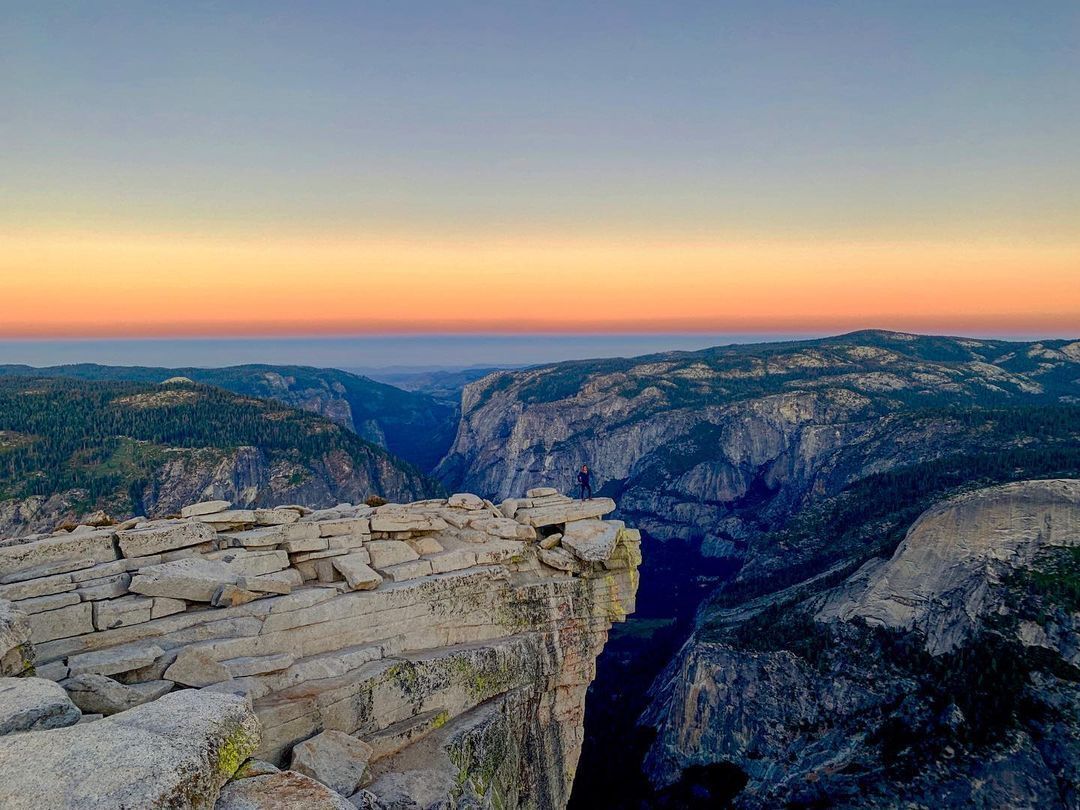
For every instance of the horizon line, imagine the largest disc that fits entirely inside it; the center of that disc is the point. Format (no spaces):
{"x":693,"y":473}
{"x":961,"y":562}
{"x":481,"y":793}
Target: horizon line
{"x":791,"y":331}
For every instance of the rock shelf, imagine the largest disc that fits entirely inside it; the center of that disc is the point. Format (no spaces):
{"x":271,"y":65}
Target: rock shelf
{"x":452,"y":640}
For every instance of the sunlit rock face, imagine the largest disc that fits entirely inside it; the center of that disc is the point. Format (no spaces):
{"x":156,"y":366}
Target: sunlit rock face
{"x":432,"y":635}
{"x":716,"y":446}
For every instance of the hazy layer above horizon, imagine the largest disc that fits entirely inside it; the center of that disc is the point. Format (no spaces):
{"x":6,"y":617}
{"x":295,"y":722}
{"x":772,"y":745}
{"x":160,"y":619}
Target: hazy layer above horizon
{"x":386,"y":352}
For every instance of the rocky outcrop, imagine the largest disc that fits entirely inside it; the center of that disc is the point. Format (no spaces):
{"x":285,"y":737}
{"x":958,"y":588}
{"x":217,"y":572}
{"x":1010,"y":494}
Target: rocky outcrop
{"x":176,"y":752}
{"x":404,"y":654}
{"x":713,"y":447}
{"x":945,"y":676}
{"x":948,"y":575}
{"x":244,"y":475}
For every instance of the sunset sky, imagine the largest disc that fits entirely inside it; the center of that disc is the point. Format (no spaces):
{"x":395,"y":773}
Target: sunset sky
{"x":260,"y":168}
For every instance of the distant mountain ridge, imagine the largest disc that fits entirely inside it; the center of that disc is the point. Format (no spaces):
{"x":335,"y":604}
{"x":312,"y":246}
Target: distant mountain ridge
{"x":69,"y":447}
{"x":716,"y":445}
{"x":413,"y":426}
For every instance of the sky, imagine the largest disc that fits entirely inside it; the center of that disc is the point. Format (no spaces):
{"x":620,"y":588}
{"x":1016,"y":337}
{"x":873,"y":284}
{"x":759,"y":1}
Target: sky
{"x":243,"y":169}
{"x":364,"y":353}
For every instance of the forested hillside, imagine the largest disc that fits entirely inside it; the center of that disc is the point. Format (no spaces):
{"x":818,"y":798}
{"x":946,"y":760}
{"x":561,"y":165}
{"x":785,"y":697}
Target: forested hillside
{"x":413,"y":426}
{"x":70,"y":446}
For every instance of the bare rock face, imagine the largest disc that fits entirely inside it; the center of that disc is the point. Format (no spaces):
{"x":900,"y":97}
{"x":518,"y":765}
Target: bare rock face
{"x":943,"y":579}
{"x":416,"y":653}
{"x":27,"y":704}
{"x":16,"y":651}
{"x":284,"y":790}
{"x":174,"y":752}
{"x":944,"y":676}
{"x":333,"y":758}
{"x":711,"y":446}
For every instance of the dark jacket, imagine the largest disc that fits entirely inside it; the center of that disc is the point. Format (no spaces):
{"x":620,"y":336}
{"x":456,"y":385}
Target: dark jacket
{"x":583,"y":478}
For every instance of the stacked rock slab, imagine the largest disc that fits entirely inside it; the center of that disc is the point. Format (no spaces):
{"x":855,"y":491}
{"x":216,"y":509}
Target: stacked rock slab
{"x":452,"y":639}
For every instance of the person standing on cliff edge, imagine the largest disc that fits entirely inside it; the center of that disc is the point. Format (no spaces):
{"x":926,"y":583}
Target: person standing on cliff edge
{"x":584,"y":482}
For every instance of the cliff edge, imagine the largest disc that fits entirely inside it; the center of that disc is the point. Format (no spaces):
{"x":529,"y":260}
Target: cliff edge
{"x":436,"y":652}
{"x":946,"y":676}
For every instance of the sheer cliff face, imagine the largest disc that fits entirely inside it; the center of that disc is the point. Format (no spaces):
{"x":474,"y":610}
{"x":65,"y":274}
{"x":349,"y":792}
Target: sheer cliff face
{"x":434,"y":653}
{"x":944,"y":676}
{"x":715,"y":446}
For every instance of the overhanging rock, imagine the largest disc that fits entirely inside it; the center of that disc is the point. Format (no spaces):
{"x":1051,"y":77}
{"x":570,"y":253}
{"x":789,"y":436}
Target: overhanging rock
{"x":439,"y":634}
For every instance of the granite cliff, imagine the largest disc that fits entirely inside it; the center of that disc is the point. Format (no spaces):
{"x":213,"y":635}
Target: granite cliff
{"x":947,"y":675}
{"x":435,"y":653}
{"x":714,"y":447}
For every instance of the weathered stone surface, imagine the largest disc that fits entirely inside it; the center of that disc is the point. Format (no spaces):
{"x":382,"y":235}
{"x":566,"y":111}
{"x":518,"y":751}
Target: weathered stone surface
{"x":280,"y":582}
{"x":285,"y":790}
{"x":551,"y":540}
{"x":385,"y":553}
{"x":473,"y":621}
{"x":104,"y":588}
{"x":406,"y":570}
{"x":37,"y":587}
{"x":424,"y":545}
{"x":344,"y":526}
{"x":98,"y":694}
{"x":194,"y":579}
{"x":255,"y":538}
{"x":16,"y":651}
{"x":304,"y":530}
{"x":57,"y":555}
{"x":113,"y":568}
{"x":255,"y":767}
{"x":465,"y":500}
{"x":400,"y":521}
{"x":175,"y":752}
{"x":257,"y":665}
{"x":232,"y":596}
{"x":229,"y":517}
{"x":591,"y":540}
{"x":455,"y":560}
{"x":306,"y":544}
{"x":564,"y":512}
{"x":128,"y":610}
{"x":420,"y":787}
{"x":498,"y":527}
{"x":195,"y":667}
{"x":937,"y":580}
{"x":115,"y":659}
{"x":333,"y":758}
{"x":540,"y":492}
{"x":73,"y":620}
{"x":357,"y":572}
{"x":305,"y":556}
{"x":141,"y":542}
{"x":276,"y":517}
{"x":27,"y":704}
{"x":559,"y":558}
{"x":47,"y":570}
{"x":204,"y":508}
{"x":497,"y":552}
{"x":53,"y":601}
{"x":252,"y":563}
{"x":352,"y":542}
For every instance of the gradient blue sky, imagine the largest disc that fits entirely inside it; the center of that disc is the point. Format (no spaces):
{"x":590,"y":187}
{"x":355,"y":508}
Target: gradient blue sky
{"x":246,"y":168}
{"x":864,"y":117}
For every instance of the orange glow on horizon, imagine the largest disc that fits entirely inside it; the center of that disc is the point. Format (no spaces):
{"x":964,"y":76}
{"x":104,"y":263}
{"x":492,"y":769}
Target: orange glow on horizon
{"x":131,"y":286}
